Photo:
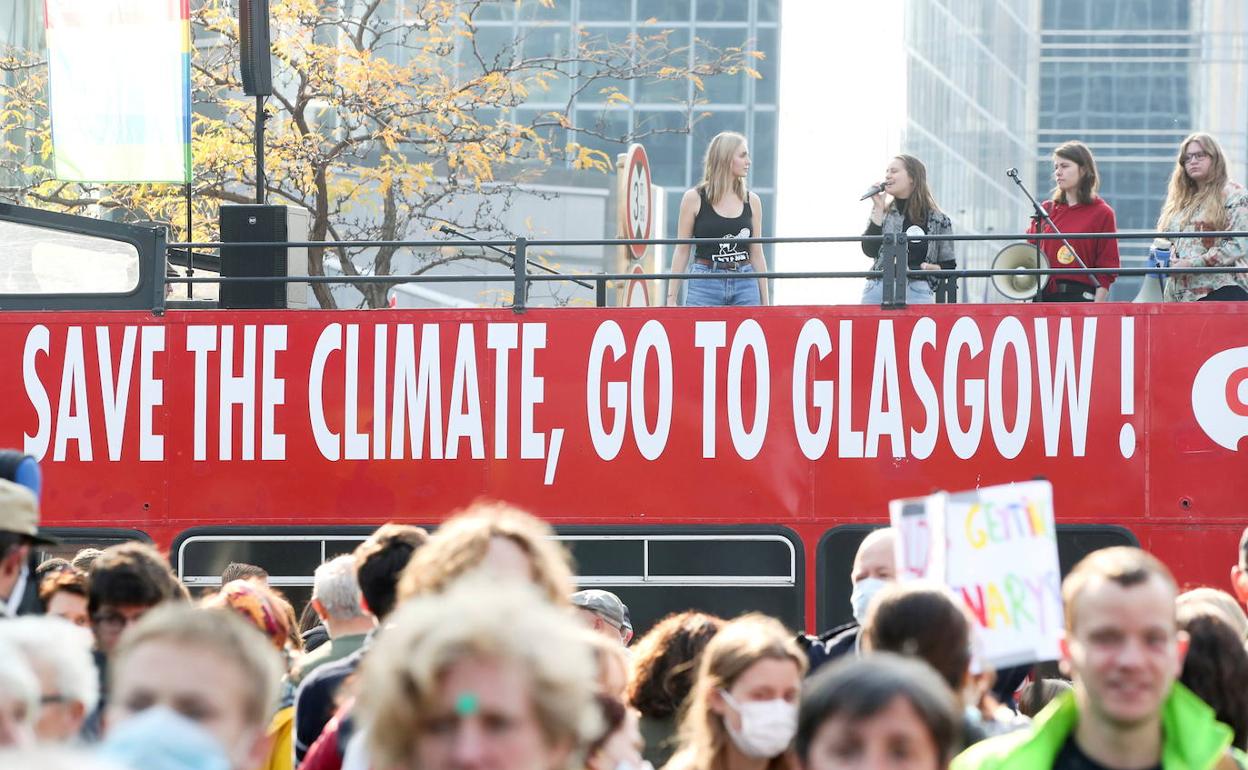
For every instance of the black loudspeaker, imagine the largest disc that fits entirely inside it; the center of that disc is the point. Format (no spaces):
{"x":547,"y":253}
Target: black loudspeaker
{"x":244,"y":224}
{"x":253,"y":41}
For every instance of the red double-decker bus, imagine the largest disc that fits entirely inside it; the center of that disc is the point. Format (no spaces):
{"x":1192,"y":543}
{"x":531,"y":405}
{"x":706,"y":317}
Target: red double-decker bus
{"x":725,"y":458}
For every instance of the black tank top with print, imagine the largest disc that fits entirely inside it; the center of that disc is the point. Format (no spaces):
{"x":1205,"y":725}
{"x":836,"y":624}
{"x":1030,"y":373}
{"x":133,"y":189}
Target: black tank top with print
{"x":709,"y":224}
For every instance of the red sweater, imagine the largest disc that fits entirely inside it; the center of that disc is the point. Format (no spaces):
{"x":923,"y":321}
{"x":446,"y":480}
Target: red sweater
{"x":1094,"y":217}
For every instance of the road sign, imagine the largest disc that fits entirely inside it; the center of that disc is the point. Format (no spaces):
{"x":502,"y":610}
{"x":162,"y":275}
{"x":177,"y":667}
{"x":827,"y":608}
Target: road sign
{"x":638,"y":194}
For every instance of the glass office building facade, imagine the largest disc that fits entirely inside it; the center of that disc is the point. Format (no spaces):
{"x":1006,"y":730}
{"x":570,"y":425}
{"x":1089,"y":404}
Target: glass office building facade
{"x":1132,"y":78}
{"x":952,"y":82}
{"x":970,"y":80}
{"x":737,"y":103}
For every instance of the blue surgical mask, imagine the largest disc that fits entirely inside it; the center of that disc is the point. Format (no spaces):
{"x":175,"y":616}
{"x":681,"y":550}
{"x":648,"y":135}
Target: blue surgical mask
{"x":864,"y":591}
{"x":160,"y":738}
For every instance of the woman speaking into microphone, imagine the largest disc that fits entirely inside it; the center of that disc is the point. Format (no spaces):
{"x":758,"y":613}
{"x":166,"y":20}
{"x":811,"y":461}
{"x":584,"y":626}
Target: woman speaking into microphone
{"x":1075,"y":207}
{"x":909,"y":203}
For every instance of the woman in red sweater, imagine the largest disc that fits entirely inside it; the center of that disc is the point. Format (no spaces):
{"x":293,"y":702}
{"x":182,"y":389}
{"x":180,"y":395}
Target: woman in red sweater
{"x":1076,"y":208}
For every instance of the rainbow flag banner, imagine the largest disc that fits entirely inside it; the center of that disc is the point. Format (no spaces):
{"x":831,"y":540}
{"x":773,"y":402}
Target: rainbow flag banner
{"x":120,"y":89}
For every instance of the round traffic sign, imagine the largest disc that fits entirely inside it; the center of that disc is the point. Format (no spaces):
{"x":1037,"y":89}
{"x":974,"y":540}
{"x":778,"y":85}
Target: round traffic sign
{"x":638,"y":193}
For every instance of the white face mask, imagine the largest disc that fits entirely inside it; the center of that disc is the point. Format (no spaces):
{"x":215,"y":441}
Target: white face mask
{"x":864,"y":591}
{"x":767,"y":726}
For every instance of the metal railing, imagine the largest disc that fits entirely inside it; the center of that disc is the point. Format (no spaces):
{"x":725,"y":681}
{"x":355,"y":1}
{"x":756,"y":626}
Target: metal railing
{"x":894,"y":273}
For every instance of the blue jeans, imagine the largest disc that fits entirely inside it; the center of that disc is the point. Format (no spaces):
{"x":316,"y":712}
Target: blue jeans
{"x":726,"y":291}
{"x":917,"y":293}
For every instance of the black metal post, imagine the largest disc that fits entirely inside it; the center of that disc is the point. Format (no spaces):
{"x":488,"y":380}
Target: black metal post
{"x":259,"y":149}
{"x":190,"y":238}
{"x":159,"y":263}
{"x":520,"y":288}
{"x":600,"y":292}
{"x":894,"y":264}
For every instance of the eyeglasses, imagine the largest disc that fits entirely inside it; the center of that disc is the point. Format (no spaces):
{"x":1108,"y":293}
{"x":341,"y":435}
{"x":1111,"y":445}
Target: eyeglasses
{"x":1191,"y":156}
{"x":114,"y":621}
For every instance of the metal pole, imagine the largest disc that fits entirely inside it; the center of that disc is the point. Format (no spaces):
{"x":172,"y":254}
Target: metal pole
{"x":160,"y":258}
{"x":520,"y":288}
{"x":894,"y":251}
{"x":190,"y":237}
{"x":259,"y":149}
{"x":600,"y":292}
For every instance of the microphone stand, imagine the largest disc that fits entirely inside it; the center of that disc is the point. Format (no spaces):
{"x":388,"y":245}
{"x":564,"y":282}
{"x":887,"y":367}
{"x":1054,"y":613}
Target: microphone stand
{"x":1039,"y":218}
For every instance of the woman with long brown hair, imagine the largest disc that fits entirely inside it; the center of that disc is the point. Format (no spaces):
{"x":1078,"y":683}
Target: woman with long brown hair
{"x":1076,"y":207}
{"x":1202,"y":196}
{"x":665,"y":662}
{"x":742,"y":713}
{"x":721,"y":207}
{"x":905,"y":201}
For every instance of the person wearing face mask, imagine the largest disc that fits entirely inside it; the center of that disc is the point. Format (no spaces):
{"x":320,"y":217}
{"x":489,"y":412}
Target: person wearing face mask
{"x":162,"y":739}
{"x":874,"y":567}
{"x":208,"y":665}
{"x":742,"y":714}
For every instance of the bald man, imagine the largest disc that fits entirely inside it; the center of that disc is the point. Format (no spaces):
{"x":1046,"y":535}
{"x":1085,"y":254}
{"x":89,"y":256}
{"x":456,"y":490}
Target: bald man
{"x":874,"y":567}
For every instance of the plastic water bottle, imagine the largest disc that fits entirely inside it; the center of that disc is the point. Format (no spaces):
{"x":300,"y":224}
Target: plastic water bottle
{"x":1159,"y":256}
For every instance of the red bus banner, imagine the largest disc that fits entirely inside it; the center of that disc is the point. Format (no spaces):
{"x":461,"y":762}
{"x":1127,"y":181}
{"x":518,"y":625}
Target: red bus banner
{"x":784,"y":414}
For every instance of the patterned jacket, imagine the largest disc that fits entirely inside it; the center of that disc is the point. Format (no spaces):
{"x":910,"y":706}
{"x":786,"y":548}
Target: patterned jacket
{"x":1232,"y":252}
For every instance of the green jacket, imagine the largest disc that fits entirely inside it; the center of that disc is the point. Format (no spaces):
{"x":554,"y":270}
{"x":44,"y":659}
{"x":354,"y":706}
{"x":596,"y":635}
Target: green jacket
{"x":1193,"y":738}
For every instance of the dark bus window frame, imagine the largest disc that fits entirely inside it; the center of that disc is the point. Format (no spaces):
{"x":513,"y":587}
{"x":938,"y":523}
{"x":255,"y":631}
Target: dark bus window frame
{"x":86,"y":537}
{"x":794,"y":582}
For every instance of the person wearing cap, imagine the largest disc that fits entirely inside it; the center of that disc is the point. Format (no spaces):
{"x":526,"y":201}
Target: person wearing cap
{"x":603,"y":612}
{"x":19,"y":530}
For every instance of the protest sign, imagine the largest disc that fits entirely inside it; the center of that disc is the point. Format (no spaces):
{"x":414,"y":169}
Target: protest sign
{"x":919,"y":524}
{"x":999,"y":556}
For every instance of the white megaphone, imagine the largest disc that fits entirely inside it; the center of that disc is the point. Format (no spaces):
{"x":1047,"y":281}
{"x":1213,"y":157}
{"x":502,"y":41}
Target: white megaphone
{"x":1020,"y":256}
{"x":1150,"y":290}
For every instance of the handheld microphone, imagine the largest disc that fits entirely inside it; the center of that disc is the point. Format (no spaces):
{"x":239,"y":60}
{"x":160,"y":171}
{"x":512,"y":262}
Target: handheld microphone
{"x":875,"y":189}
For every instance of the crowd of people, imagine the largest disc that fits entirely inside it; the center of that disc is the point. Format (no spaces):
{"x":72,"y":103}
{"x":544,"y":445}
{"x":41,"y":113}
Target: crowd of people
{"x":471,"y":649}
{"x":1201,"y":197}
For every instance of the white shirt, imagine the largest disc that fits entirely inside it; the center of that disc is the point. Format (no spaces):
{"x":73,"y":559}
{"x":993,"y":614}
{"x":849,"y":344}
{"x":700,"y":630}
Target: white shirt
{"x":14,"y":601}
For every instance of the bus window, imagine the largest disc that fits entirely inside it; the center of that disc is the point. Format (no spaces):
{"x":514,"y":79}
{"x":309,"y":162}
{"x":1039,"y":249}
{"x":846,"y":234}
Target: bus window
{"x":74,"y":539}
{"x":835,"y":557}
{"x":725,"y":571}
{"x":655,"y":570}
{"x":45,"y":261}
{"x":290,"y":557}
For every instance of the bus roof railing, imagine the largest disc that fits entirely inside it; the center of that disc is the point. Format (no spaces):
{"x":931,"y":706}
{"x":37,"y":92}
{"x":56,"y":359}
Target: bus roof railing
{"x":891,"y":266}
{"x":893,"y":246}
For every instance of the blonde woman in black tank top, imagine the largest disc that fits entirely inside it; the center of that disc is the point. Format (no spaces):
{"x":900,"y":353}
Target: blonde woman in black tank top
{"x":721,"y":207}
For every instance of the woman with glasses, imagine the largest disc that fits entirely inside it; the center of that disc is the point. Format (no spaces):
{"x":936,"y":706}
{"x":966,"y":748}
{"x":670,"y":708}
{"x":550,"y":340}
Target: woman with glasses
{"x":1202,"y":197}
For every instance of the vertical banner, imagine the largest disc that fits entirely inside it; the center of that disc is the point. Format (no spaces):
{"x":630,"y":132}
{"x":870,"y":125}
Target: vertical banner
{"x":996,"y":549}
{"x":119,"y":83}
